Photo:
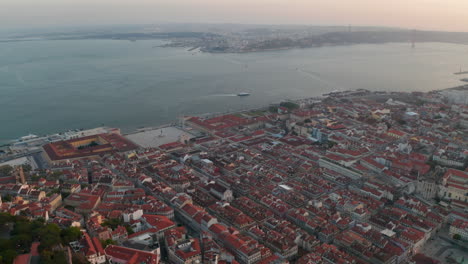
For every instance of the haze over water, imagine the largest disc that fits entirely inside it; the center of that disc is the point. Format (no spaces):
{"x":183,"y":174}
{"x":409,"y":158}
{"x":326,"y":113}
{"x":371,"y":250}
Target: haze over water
{"x":52,"y":86}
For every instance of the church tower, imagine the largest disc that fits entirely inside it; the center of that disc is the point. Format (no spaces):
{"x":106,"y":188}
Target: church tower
{"x":19,"y":174}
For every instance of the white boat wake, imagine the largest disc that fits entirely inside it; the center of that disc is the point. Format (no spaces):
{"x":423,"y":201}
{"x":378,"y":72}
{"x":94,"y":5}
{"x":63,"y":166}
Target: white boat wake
{"x":318,"y":78}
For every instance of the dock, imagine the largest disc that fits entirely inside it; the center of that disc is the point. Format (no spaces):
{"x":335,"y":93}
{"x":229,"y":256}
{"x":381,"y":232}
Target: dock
{"x":461,"y":72}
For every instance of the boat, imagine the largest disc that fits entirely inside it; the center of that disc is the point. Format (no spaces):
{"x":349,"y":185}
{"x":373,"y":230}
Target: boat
{"x":243,"y":94}
{"x":28,"y":137}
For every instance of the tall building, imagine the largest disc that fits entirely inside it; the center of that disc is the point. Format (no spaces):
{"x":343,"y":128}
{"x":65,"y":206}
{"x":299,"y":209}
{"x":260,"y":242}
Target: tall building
{"x":19,"y":174}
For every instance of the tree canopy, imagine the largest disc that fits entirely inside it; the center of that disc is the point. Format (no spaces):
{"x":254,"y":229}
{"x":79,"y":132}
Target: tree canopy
{"x":289,"y":105}
{"x":112,"y":223}
{"x":6,"y":170}
{"x":25,"y":232}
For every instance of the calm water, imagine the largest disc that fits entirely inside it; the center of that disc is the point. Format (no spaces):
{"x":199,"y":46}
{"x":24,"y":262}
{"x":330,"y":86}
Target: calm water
{"x":51,"y":86}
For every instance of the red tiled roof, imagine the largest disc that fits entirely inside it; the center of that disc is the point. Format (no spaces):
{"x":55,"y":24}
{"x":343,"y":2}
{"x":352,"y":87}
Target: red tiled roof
{"x":218,"y":229}
{"x":98,"y":245}
{"x":62,"y":150}
{"x":423,"y":259}
{"x":132,"y":256}
{"x":457,"y":173}
{"x":158,"y":221}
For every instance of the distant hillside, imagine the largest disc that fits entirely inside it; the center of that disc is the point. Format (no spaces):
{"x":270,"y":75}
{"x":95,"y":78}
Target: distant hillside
{"x":360,"y":37}
{"x":251,"y":38}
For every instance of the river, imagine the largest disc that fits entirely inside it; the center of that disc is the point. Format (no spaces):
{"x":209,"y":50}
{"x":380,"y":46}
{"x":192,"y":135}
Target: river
{"x":52,"y":86}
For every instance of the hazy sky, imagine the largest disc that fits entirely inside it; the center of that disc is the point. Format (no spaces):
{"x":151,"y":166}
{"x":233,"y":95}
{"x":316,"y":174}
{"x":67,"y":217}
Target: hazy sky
{"x":419,"y":14}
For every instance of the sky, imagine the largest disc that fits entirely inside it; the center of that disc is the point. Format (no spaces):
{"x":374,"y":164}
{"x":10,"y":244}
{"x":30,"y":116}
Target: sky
{"x":450,"y":15}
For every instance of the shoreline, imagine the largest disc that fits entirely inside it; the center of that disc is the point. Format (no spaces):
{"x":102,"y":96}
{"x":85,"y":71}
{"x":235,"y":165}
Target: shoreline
{"x":201,"y":49}
{"x":136,"y":129}
{"x":189,"y":48}
{"x":133,"y":130}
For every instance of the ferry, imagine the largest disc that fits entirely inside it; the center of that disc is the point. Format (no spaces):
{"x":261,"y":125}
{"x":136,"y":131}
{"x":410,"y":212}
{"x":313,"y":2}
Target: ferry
{"x":243,"y":94}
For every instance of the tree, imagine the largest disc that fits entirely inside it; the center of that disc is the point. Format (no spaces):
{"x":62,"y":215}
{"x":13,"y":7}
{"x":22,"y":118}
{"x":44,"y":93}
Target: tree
{"x":35,"y":178}
{"x":36,"y":227}
{"x":7,"y":198}
{"x":129,"y":229}
{"x":331,"y":144}
{"x":5,"y":243}
{"x":22,"y":242}
{"x":46,"y":256}
{"x":8,"y":255}
{"x":457,"y":236}
{"x":401,"y":122}
{"x":49,"y":236}
{"x":26,"y":167}
{"x":70,"y":234}
{"x":289,"y":105}
{"x":112,"y":223}
{"x":69,"y":207}
{"x":79,"y":259}
{"x":5,"y":218}
{"x":52,"y":257}
{"x":107,"y":242}
{"x":24,"y":232}
{"x":56,"y":175}
{"x":6,"y":170}
{"x":21,"y":227}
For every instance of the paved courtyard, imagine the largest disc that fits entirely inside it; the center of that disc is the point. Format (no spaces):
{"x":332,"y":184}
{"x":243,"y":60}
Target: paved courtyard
{"x":157,"y":137}
{"x":442,"y":249}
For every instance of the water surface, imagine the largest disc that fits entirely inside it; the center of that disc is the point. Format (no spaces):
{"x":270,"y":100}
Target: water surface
{"x":52,"y":86}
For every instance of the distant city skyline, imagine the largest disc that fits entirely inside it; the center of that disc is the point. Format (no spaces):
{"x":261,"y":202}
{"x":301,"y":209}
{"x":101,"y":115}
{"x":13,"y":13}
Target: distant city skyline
{"x":448,"y":15}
